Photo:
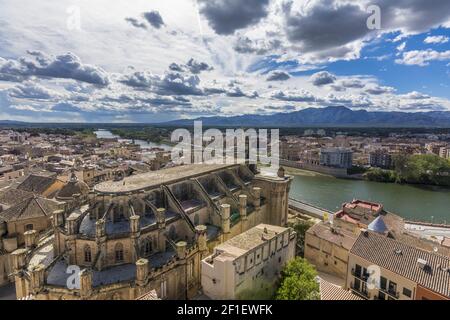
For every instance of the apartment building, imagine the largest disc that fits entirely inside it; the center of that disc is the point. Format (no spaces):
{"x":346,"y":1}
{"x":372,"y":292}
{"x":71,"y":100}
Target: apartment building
{"x":383,"y":268}
{"x":381,"y":159}
{"x":336,"y":157}
{"x":327,"y":248}
{"x":247,"y":263}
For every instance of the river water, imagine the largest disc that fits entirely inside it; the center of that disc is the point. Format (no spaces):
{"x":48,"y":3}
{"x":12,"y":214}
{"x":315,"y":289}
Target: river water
{"x":423,"y":203}
{"x":431,"y":204}
{"x":106,"y":134}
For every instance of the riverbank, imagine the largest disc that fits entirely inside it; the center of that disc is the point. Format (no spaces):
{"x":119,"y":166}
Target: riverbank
{"x":145,"y":144}
{"x":412,"y":202}
{"x":153,"y":135}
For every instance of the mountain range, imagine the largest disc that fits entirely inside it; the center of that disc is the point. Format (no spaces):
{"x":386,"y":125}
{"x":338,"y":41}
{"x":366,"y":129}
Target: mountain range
{"x":329,"y":117}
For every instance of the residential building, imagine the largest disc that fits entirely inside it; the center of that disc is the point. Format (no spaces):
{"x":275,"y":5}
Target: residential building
{"x":381,"y":159}
{"x":327,"y":248}
{"x":383,"y":268}
{"x":331,"y":291}
{"x":44,"y":185}
{"x":359,"y":214}
{"x":336,"y":157}
{"x":248,"y":263}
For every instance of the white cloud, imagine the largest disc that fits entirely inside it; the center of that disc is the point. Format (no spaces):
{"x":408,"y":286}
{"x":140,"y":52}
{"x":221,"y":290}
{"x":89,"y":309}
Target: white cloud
{"x":423,"y":57}
{"x":436,"y":39}
{"x":95,"y":82}
{"x":401,"y":47}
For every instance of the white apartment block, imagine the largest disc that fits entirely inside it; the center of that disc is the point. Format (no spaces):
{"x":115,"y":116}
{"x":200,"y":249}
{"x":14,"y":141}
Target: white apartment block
{"x":247,"y":263}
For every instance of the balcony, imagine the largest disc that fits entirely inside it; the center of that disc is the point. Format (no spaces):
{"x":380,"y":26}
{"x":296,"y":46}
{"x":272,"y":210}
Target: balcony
{"x":394,"y":294}
{"x":363,"y":276}
{"x":362,"y":293}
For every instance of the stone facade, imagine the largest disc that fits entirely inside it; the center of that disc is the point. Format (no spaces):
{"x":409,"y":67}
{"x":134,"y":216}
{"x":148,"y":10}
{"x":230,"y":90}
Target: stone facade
{"x":148,"y":232}
{"x":249,"y":264}
{"x":327,"y":248}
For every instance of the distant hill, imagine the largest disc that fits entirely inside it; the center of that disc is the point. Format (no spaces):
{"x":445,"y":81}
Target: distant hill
{"x":330,"y":117}
{"x":10,"y":122}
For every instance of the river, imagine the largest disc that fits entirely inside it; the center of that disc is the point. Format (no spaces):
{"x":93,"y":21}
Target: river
{"x":431,"y":204}
{"x":106,"y":134}
{"x":423,"y":203}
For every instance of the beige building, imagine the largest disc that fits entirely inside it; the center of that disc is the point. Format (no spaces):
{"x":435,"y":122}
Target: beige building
{"x":383,"y":268}
{"x":249,"y":264}
{"x":148,"y":232}
{"x":44,"y":185}
{"x":21,"y":213}
{"x":327,"y":248}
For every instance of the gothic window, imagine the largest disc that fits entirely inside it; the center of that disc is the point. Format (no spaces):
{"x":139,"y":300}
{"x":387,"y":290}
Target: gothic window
{"x":119,"y":252}
{"x":163,"y":289}
{"x":147,"y":247}
{"x":191,"y":270}
{"x":87,"y":254}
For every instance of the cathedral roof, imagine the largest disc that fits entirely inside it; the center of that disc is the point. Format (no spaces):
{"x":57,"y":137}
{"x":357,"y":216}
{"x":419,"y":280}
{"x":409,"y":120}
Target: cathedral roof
{"x":36,"y":183}
{"x":32,"y":207}
{"x":72,"y":187}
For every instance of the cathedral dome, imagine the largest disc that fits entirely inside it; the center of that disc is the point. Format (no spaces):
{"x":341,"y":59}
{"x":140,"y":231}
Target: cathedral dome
{"x":73,"y":187}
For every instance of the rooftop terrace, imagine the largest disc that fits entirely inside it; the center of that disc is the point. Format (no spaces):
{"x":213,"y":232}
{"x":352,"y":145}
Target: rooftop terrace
{"x":156,"y":178}
{"x":250,"y":239}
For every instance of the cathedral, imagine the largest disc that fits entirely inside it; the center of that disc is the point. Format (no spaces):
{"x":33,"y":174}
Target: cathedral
{"x":146,"y":232}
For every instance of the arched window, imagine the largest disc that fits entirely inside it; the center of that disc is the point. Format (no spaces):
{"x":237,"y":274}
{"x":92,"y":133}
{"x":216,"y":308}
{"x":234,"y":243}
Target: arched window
{"x":87,"y":254}
{"x":147,"y":247}
{"x":119,"y":252}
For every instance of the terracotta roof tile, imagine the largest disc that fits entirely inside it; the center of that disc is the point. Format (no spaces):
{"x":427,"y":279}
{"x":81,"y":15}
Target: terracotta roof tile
{"x":402,"y":258}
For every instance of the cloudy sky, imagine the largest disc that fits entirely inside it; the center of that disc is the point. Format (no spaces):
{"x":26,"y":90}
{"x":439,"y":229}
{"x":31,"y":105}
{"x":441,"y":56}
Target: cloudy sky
{"x":157,"y":60}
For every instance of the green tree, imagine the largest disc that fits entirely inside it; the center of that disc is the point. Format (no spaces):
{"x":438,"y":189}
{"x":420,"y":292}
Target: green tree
{"x":300,"y":228}
{"x":298,"y":281}
{"x":381,"y":175}
{"x":400,"y":165}
{"x":262,"y":290}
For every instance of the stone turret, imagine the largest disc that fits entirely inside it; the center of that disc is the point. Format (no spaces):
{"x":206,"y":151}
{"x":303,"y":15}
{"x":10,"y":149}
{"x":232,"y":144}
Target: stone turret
{"x":71,"y":225}
{"x":19,"y":259}
{"x":161,"y":217}
{"x":86,"y":277}
{"x":100,"y":228}
{"x":134,"y":224}
{"x":201,"y":237}
{"x":58,"y":218}
{"x":135,"y":233}
{"x":37,"y":278}
{"x":100,"y":238}
{"x":225,"y":213}
{"x":257,"y":194}
{"x":181,"y":249}
{"x":30,"y":239}
{"x":161,"y":221}
{"x":280,"y":172}
{"x":243,"y":206}
{"x":18,"y":263}
{"x":141,"y":272}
